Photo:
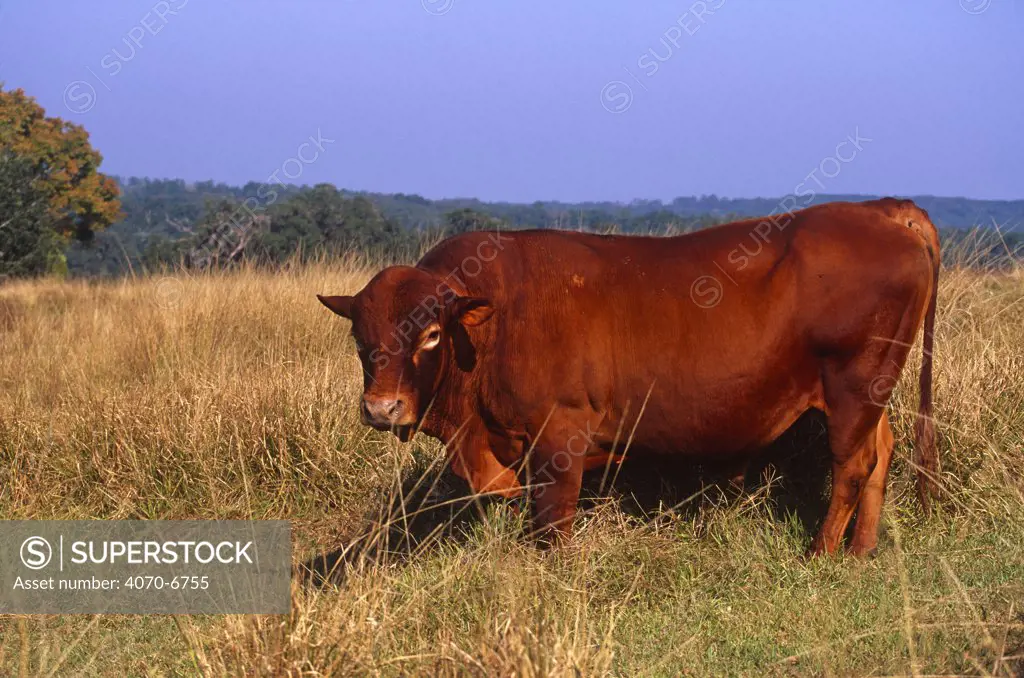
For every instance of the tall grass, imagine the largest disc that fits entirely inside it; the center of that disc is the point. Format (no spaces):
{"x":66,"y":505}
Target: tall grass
{"x":233,"y":395}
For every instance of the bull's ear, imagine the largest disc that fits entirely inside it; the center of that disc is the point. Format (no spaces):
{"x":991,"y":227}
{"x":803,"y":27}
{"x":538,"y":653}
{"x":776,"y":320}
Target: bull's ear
{"x":471,"y":311}
{"x":340,"y":305}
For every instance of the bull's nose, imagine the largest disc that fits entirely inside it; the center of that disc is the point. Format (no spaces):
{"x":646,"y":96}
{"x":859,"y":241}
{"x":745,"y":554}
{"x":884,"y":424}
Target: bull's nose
{"x":383,"y":410}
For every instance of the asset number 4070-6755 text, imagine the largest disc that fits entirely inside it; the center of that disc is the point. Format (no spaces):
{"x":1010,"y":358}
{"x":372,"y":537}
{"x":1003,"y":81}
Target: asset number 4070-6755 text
{"x":180,"y":583}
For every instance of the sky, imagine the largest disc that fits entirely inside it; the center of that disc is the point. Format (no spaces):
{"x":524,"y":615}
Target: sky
{"x":537,"y":100}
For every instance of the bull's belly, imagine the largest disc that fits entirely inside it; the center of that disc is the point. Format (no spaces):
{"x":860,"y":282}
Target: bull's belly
{"x":711,"y":427}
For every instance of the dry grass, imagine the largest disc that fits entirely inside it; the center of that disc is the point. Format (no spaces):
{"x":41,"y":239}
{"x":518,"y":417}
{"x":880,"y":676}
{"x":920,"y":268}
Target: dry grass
{"x":233,"y":396}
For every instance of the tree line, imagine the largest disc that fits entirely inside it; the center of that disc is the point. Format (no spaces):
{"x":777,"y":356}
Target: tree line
{"x":60,"y":215}
{"x":172,"y":222}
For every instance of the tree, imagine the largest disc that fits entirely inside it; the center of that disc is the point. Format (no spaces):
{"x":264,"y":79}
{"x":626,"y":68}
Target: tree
{"x":28,"y":244}
{"x":65,"y":167}
{"x":322,"y":219}
{"x":466,"y":220}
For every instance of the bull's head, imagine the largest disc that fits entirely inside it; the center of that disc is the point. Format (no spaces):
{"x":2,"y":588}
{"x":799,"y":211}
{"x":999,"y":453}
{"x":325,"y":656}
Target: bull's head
{"x":405,"y":323}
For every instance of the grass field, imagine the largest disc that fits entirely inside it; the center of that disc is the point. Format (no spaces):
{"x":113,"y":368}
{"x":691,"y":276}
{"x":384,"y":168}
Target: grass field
{"x":234,"y":396}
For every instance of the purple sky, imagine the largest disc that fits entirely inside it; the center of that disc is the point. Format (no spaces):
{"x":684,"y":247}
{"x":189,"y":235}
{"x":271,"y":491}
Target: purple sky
{"x":508,"y":100}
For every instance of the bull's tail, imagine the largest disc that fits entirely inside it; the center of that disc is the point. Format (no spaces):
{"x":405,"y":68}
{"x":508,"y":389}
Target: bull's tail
{"x":925,"y":449}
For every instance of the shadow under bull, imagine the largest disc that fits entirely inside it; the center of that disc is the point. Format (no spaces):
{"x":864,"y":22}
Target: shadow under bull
{"x":430,"y":508}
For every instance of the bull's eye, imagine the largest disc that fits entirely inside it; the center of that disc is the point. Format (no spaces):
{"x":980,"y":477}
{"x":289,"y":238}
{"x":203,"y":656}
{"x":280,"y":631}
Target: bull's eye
{"x":430,"y":339}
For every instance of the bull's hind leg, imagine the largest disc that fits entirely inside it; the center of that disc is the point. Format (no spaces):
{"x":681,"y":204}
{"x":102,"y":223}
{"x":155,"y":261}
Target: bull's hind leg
{"x":853,"y":418}
{"x":869,"y":512}
{"x":856,"y":391}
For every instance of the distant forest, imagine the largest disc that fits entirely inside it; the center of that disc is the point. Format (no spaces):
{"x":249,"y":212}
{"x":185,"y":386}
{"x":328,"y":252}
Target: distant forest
{"x":172,"y":222}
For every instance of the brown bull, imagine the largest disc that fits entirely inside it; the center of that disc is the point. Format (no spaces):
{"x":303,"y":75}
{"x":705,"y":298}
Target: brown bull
{"x":547,"y":350}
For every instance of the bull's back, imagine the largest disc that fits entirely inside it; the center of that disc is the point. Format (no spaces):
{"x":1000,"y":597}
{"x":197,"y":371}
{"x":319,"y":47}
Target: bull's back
{"x":693,"y":328}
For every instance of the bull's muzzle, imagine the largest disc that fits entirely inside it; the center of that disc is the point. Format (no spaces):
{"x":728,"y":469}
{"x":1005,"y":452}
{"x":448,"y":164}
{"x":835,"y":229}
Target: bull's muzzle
{"x":384,"y":413}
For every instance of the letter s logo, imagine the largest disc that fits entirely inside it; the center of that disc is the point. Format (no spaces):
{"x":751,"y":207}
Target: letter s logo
{"x":36,"y":553}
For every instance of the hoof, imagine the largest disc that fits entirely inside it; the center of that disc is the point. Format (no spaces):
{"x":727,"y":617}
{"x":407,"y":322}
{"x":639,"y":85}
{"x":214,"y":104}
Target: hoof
{"x":861,"y":552}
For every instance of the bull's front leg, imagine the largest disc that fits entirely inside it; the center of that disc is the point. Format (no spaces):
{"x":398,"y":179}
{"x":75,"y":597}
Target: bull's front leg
{"x":473,"y":460}
{"x":556,"y":474}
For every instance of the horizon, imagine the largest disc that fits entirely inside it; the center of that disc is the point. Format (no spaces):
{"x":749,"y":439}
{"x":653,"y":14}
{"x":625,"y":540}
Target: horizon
{"x":444,"y":98}
{"x":640,"y":199}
